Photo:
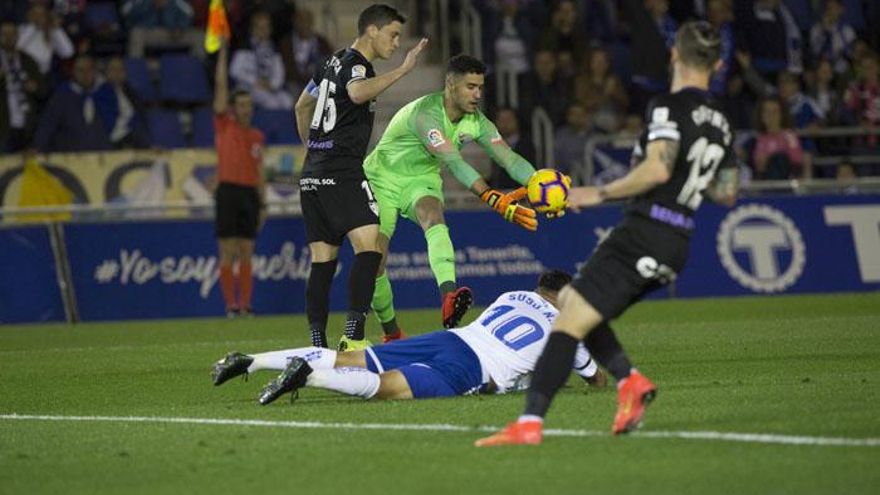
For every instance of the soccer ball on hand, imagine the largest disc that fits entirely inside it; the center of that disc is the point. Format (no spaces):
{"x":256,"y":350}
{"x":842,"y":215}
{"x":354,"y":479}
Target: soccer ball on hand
{"x":548,"y":190}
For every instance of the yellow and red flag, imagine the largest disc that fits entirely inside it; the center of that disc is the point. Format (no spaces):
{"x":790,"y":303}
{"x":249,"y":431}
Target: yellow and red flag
{"x":218,"y":26}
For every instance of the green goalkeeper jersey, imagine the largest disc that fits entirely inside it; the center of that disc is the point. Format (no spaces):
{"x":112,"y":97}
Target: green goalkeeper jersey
{"x":420,"y":139}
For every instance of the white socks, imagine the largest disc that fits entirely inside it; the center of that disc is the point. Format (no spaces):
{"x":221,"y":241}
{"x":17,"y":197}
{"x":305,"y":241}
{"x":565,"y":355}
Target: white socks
{"x":317,"y":357}
{"x":350,"y":381}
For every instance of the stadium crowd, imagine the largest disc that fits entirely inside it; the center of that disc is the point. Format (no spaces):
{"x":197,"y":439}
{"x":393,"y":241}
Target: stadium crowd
{"x":79,"y":75}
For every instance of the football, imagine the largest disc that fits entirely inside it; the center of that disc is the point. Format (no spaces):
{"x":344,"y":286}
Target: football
{"x":548,"y":190}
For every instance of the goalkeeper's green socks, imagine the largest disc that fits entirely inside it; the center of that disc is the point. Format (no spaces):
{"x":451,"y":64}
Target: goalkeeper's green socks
{"x":383,"y":304}
{"x":441,"y":254}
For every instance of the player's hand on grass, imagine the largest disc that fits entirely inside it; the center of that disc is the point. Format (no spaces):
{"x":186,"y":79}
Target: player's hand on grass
{"x":584,"y":197}
{"x":505,"y":205}
{"x":412,"y":56}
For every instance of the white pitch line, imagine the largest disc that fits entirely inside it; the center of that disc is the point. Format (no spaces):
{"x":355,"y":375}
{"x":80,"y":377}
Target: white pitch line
{"x":760,"y":438}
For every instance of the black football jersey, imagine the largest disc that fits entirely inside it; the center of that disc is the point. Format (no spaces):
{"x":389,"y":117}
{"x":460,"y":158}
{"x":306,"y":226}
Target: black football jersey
{"x":693,"y":119}
{"x":340,"y":129}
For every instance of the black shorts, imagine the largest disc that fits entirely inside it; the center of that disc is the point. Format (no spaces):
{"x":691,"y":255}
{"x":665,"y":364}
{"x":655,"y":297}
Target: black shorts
{"x":333,"y":207}
{"x":639,"y":256}
{"x":237,"y":211}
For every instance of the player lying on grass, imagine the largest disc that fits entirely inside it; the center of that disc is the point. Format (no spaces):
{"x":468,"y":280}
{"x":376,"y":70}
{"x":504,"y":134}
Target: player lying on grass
{"x":494,"y":354}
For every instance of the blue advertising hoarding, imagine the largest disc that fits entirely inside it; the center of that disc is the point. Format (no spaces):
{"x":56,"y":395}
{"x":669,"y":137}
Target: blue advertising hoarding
{"x":29,"y":289}
{"x":165,"y":269}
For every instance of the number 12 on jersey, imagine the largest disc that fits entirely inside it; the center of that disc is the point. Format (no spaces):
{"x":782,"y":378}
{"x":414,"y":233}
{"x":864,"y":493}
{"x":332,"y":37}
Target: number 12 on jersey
{"x":704,"y":158}
{"x":325,"y":107}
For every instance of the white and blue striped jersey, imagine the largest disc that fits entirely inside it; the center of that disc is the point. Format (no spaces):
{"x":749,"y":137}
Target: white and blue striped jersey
{"x":509,"y":336}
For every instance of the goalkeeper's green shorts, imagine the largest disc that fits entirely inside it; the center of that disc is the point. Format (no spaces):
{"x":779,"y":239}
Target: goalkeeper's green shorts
{"x":397,"y":196}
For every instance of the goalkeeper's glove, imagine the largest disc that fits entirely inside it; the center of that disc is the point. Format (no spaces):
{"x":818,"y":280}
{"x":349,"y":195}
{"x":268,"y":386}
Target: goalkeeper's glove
{"x":505,"y":205}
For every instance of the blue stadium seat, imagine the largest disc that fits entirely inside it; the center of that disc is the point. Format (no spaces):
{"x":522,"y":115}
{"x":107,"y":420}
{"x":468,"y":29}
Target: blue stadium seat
{"x":802,"y":12}
{"x":139,"y":79}
{"x":279,"y":126}
{"x":621,"y":62}
{"x":101,"y":15}
{"x":165,"y":128}
{"x":182,"y":79}
{"x":203,"y":127}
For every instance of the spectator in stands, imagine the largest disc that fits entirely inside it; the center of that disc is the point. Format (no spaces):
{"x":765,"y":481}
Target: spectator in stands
{"x":507,"y":122}
{"x":769,"y":34}
{"x":258,"y":69}
{"x":846,"y":178}
{"x":78,"y":116}
{"x":652,"y":31}
{"x":571,"y":140}
{"x":601,"y":19}
{"x":601,"y":91}
{"x":863,"y":97}
{"x":162,"y":24}
{"x":280,"y":12}
{"x":303,"y":51}
{"x":803,"y":109}
{"x":544,"y":88}
{"x":566,"y":37}
{"x":512,"y":39}
{"x":825,"y":93}
{"x":43,"y":39}
{"x":720,"y":14}
{"x":22,"y":86}
{"x":777,"y":153}
{"x":128,"y":128}
{"x":831,"y":38}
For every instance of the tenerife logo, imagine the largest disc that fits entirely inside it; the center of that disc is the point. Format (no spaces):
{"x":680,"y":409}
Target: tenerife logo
{"x":761,"y":248}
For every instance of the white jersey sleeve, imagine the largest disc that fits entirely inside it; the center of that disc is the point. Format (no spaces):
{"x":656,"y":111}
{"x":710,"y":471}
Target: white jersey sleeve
{"x":509,"y":336}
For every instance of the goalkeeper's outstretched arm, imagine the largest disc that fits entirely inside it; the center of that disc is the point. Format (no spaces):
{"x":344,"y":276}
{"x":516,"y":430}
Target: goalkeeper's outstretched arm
{"x":517,"y":167}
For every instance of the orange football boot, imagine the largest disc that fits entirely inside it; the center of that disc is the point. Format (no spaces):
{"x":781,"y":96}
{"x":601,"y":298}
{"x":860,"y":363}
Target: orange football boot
{"x":633,"y":396}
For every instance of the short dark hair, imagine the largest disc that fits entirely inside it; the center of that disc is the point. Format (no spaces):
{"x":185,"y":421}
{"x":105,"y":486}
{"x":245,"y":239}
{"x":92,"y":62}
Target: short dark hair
{"x":465,"y":64}
{"x":235,"y":95}
{"x":379,"y":15}
{"x":699,"y":44}
{"x":554,"y":280}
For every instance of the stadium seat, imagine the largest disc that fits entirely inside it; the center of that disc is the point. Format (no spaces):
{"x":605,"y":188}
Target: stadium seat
{"x":165,"y":128}
{"x":279,"y":126}
{"x":101,"y":15}
{"x":802,"y":12}
{"x":140,"y":80}
{"x":203,"y":128}
{"x":182,"y":79}
{"x":620,"y":61}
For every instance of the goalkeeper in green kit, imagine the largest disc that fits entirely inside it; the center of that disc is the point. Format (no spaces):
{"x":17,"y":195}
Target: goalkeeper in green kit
{"x":404,"y":174}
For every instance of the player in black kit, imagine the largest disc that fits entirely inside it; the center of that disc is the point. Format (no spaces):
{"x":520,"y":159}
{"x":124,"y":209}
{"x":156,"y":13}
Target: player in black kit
{"x":684,"y":153}
{"x":335,"y":120}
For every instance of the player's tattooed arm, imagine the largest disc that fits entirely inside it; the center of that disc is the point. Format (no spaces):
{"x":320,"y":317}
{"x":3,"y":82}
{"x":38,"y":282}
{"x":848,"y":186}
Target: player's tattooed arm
{"x":668,"y":154}
{"x":724,"y":187}
{"x":654,"y":169}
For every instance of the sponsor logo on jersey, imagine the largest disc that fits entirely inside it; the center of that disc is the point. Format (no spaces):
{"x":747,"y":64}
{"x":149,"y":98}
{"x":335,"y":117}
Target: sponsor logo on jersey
{"x":435,"y":137}
{"x":358,"y":72}
{"x":761,"y":248}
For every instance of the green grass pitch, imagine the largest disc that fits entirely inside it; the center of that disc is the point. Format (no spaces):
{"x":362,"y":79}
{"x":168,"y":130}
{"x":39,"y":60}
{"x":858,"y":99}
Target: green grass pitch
{"x":805,"y":366}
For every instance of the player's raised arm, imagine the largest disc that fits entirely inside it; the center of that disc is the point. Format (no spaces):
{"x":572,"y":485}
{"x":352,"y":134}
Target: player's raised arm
{"x":221,"y":79}
{"x":363,"y":90}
